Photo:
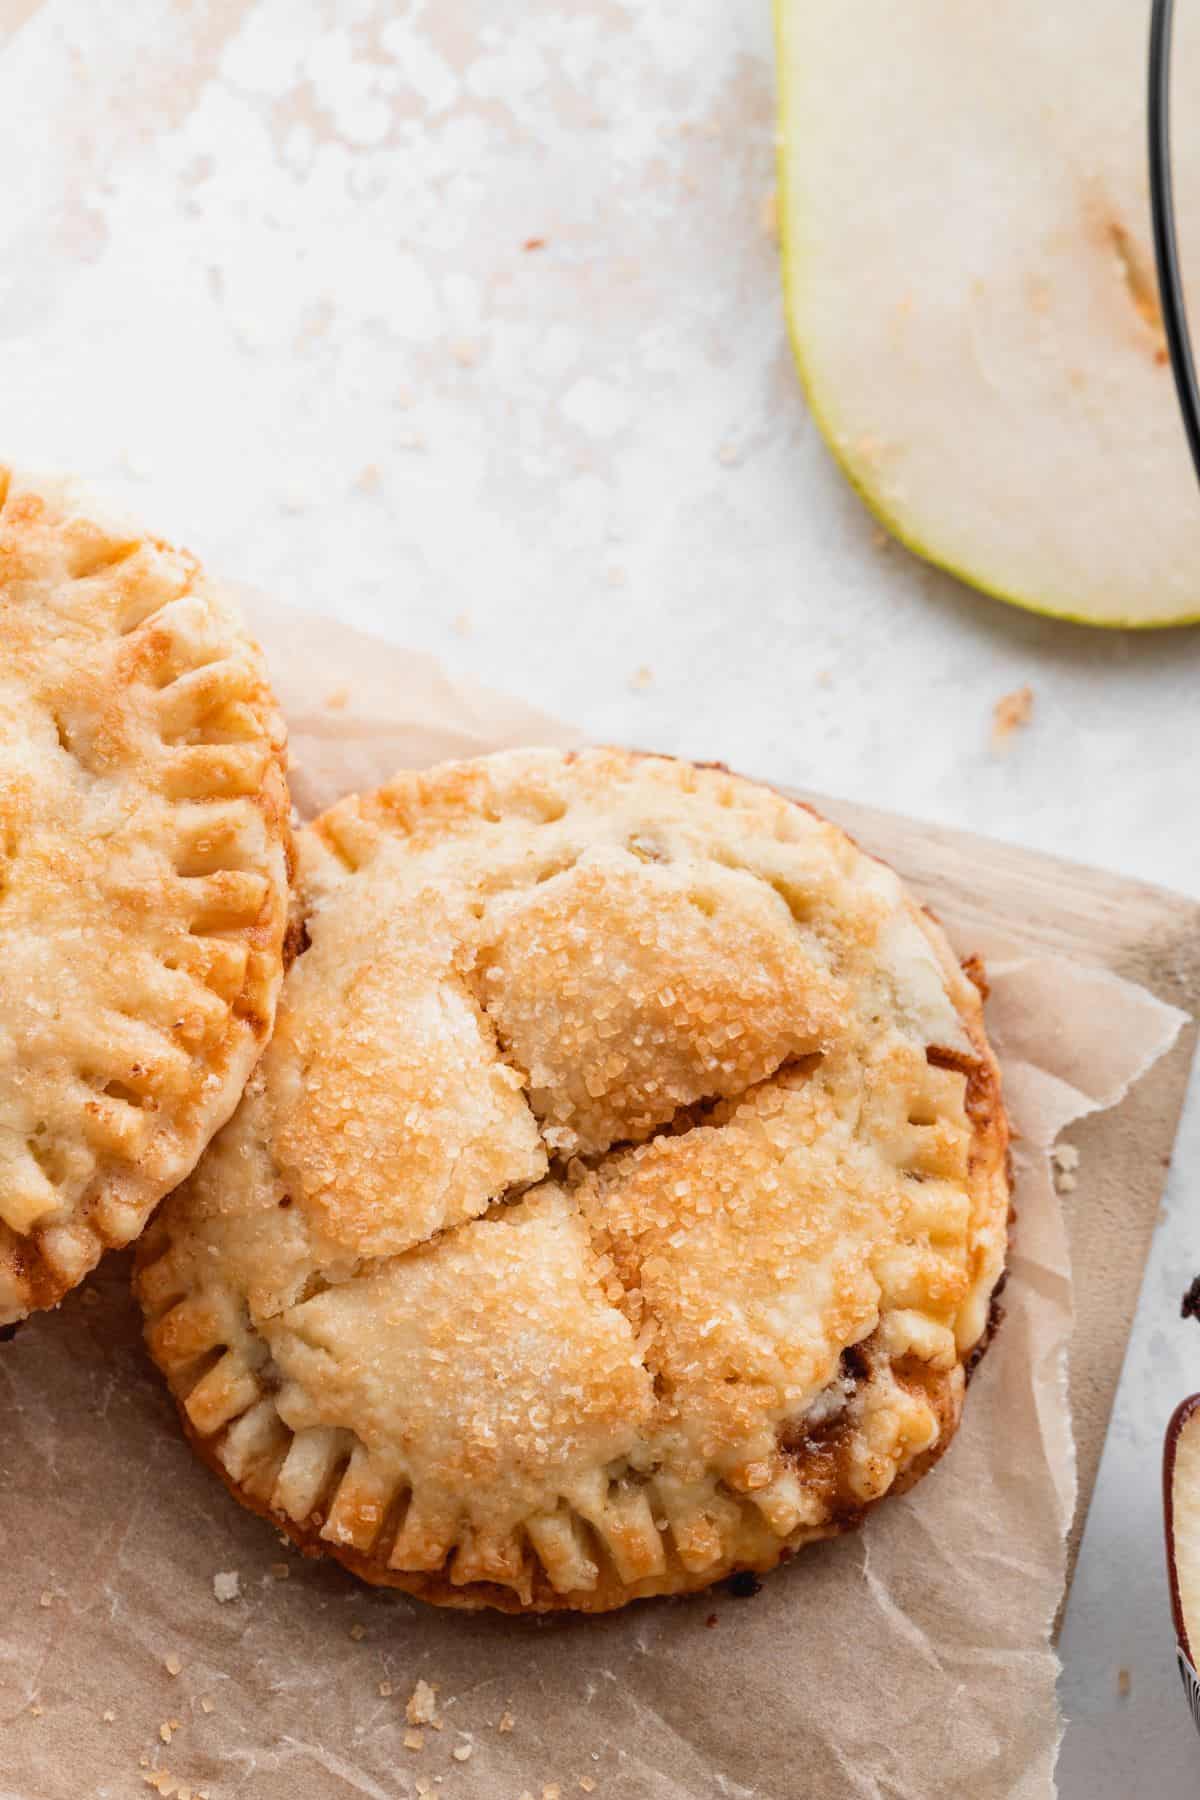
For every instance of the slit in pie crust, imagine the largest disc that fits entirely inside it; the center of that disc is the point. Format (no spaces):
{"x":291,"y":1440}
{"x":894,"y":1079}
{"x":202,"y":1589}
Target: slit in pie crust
{"x":617,"y":1206}
{"x":143,"y":878}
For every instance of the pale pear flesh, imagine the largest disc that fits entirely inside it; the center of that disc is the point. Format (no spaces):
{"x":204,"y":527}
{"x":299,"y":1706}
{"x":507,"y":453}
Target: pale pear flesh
{"x":971,"y":289}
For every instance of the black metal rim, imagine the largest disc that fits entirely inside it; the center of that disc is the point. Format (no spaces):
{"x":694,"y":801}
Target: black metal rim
{"x":1166,"y":246}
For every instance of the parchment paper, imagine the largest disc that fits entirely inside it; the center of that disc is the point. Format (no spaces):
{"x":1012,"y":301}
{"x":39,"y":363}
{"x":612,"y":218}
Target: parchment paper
{"x":909,"y":1662}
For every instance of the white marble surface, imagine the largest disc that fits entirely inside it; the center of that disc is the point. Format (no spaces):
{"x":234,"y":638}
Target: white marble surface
{"x":264,"y":272}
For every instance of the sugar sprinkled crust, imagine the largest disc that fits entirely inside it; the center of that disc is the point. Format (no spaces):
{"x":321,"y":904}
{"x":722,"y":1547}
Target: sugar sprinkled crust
{"x":143,"y":878}
{"x":618,"y":1204}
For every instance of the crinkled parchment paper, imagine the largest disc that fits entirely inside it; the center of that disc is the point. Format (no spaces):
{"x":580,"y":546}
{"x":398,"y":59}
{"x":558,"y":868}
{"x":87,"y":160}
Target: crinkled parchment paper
{"x":909,"y":1662}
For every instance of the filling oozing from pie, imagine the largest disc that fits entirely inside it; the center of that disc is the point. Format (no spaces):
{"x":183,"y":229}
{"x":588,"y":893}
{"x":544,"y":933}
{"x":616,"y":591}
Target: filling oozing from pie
{"x":598,"y":1220}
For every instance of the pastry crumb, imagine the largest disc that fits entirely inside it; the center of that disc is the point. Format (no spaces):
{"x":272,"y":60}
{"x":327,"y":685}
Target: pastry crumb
{"x":421,"y":1707}
{"x":108,"y":1715}
{"x":506,"y":1722}
{"x":358,"y":1633}
{"x":171,"y":1788}
{"x":280,"y":1571}
{"x":424,"y":1787}
{"x":368,"y":479}
{"x":173,"y":1664}
{"x":1124,"y":1683}
{"x":227,"y":1585}
{"x":534,"y":243}
{"x":768,"y":216}
{"x":36,"y":1709}
{"x":462,"y":1752}
{"x":337,"y":698}
{"x":1065,"y":1161}
{"x":587,"y":1784}
{"x":207,"y":1704}
{"x":1009,"y":714}
{"x":46,"y":1599}
{"x":552,"y":1791}
{"x":414,"y":1739}
{"x":465,"y":352}
{"x":729,"y":455}
{"x":385,"y":1690}
{"x":641,"y":678}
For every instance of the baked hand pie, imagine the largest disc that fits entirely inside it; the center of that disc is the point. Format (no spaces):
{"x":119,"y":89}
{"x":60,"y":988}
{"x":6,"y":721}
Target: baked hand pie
{"x":618,"y":1205}
{"x":144,"y":845}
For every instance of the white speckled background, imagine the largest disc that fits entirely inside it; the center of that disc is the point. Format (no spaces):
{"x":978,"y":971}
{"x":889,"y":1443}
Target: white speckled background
{"x":263,"y":272}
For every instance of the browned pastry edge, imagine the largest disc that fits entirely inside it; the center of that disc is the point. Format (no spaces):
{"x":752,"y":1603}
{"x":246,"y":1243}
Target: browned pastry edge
{"x":611,"y":1592}
{"x":41,"y":1284}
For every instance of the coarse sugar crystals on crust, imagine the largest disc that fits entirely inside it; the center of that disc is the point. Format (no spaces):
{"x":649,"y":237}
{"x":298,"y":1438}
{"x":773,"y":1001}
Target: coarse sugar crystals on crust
{"x":144,"y":851}
{"x":619,"y":1202}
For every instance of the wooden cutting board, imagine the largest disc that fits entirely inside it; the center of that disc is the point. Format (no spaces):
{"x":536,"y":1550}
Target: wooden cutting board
{"x":1145,"y":934}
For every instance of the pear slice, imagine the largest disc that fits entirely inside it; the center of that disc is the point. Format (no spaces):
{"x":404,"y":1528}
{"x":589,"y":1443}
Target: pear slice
{"x":1181,"y":1498}
{"x":971,"y":292}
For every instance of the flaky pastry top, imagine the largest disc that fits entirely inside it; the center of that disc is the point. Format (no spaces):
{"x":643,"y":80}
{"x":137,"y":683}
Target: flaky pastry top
{"x":619,"y":1200}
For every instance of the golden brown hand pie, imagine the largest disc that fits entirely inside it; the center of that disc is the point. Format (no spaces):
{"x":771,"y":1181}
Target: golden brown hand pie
{"x":618,"y":1203}
{"x":143,"y":879}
